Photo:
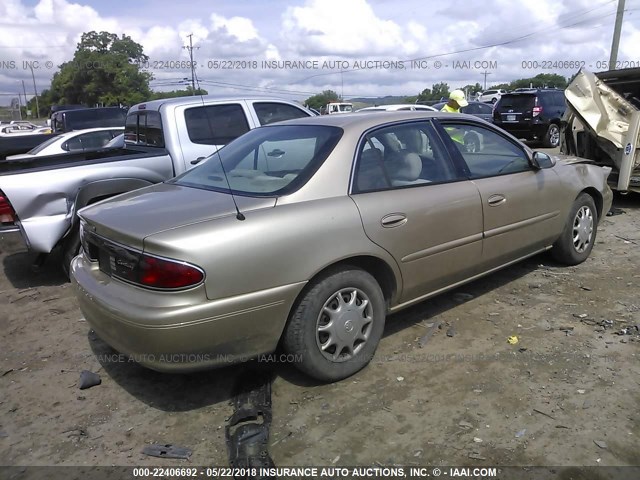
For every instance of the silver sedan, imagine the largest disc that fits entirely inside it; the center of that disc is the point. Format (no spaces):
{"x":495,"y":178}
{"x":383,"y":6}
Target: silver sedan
{"x":308,"y":233}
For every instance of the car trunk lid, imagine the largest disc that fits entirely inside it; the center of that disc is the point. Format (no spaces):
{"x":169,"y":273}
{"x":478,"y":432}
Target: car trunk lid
{"x":129,"y":218}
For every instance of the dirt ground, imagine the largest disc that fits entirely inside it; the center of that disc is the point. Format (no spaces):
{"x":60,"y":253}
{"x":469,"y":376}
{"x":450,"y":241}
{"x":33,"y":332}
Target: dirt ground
{"x":569,"y":384}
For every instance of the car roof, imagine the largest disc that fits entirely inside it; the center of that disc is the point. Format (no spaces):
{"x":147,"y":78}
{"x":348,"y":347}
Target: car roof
{"x":372,"y":119}
{"x":198,"y":99}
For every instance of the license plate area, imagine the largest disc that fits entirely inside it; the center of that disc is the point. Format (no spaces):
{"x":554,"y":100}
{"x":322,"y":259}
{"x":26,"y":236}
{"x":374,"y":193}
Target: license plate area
{"x":511,"y":118}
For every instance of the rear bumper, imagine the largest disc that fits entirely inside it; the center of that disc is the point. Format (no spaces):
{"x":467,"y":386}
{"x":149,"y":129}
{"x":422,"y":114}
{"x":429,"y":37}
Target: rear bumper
{"x":12,"y":240}
{"x":533,"y":131}
{"x":181,"y":331}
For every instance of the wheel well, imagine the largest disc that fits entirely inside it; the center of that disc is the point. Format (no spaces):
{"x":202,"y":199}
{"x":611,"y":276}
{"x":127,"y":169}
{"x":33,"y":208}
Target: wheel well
{"x":374,"y":266}
{"x":597,"y":198}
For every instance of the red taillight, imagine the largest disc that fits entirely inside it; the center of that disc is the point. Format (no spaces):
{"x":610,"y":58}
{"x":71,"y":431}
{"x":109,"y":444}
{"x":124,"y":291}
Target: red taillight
{"x":537,"y":111}
{"x":158,"y":273}
{"x":7,"y":213}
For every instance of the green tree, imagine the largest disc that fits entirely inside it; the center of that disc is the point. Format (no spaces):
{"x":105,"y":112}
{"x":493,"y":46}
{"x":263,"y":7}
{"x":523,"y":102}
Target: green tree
{"x":549,"y":80}
{"x":177,"y":93}
{"x":105,"y":70}
{"x":320,"y":100}
{"x":472,"y":89}
{"x":437,"y":92}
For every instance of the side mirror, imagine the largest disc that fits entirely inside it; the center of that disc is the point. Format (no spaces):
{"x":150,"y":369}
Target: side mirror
{"x":541,"y":160}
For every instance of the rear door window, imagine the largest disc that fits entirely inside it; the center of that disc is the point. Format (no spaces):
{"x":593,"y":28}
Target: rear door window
{"x":216,"y":124}
{"x":271,"y":112}
{"x":144,"y":128}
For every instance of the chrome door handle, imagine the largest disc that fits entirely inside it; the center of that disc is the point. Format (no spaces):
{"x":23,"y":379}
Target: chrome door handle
{"x":495,"y":200}
{"x":393,"y":220}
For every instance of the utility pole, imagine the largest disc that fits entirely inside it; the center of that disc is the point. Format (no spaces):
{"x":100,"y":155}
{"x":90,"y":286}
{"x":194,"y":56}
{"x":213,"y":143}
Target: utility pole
{"x":193,"y":75}
{"x":25,"y":99}
{"x":37,"y":115}
{"x":616,"y":36}
{"x":485,"y":73}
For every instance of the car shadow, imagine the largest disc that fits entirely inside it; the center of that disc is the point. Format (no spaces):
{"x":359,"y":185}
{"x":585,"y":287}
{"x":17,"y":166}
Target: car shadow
{"x":424,"y":311}
{"x":173,"y":392}
{"x":18,"y":268}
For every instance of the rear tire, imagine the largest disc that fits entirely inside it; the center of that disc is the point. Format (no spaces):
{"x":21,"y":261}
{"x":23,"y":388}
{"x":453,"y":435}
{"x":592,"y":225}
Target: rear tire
{"x":552,"y":137}
{"x":336,"y":324}
{"x":576,"y":242}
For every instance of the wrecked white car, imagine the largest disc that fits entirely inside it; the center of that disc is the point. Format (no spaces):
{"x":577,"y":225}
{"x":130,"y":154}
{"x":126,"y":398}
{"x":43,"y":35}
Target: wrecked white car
{"x":602,"y":123}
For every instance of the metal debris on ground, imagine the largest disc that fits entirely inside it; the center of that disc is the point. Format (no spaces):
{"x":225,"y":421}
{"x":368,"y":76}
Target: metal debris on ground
{"x":521,"y":433}
{"x":462,"y":297}
{"x":88,"y":379}
{"x":166,"y":451}
{"x":247,"y":432}
{"x":512,"y":340}
{"x":601,"y":443}
{"x":427,"y":336}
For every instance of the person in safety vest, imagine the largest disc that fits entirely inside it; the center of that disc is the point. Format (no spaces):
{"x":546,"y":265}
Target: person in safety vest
{"x":456,"y":101}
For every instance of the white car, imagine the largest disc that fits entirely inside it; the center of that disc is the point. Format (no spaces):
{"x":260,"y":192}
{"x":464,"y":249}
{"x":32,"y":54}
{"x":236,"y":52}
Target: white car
{"x":398,"y":107}
{"x":491,"y":96}
{"x":74,"y":141}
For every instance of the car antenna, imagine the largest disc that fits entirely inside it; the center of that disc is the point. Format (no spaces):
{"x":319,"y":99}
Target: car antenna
{"x":239,"y":215}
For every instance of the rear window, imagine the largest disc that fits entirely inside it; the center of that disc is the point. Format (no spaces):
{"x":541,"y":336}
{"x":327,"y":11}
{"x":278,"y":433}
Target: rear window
{"x":144,"y":128}
{"x":517,"y":102}
{"x":266,"y":161}
{"x":271,"y":112}
{"x":81,"y":119}
{"x":215,"y":124}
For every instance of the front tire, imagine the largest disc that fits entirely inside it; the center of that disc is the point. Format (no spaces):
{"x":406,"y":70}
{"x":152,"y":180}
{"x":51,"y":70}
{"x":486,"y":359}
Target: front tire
{"x":336,"y":325}
{"x":576,"y":242}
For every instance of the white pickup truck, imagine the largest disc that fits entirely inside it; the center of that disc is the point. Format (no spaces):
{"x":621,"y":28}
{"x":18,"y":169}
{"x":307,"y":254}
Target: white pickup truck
{"x":39,"y":197}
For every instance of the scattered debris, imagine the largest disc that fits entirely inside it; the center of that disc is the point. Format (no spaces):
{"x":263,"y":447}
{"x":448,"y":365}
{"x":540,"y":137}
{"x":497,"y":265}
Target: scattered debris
{"x":247,"y":432}
{"x":562,"y":426}
{"x":522,"y":349}
{"x":615,"y":211}
{"x":88,"y":379}
{"x":7,"y":372}
{"x":464,"y":424}
{"x":477,"y":439}
{"x":462,"y":297}
{"x":451,"y":332}
{"x":476,"y":456}
{"x":400,"y":379}
{"x":521,"y":433}
{"x":544,"y":413}
{"x":335,"y":460}
{"x":512,"y":340}
{"x":167,"y":451}
{"x":627,"y":240}
{"x":3,"y":434}
{"x":583,"y":287}
{"x":580,"y":315}
{"x":566,"y":329}
{"x":427,"y":336}
{"x":601,"y":443}
{"x":581,"y":391}
{"x":586,"y":404}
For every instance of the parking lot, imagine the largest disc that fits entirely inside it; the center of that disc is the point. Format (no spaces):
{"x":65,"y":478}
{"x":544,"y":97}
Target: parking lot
{"x":445,"y":387}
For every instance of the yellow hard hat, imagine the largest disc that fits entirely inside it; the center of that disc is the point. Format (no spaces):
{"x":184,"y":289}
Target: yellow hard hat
{"x":458,"y":96}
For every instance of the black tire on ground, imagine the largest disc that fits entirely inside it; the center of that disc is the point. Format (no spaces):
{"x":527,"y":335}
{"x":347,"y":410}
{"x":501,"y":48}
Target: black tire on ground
{"x":552,"y":136}
{"x":575,"y":243}
{"x":70,"y":248}
{"x":311,"y":324}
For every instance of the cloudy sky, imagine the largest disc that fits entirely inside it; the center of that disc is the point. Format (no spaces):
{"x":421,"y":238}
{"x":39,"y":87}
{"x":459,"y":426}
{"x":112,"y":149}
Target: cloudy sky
{"x":355,"y":47}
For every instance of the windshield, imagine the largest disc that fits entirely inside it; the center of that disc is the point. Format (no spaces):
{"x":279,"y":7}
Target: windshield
{"x":345,"y":108}
{"x":266,"y":161}
{"x":43,"y":145}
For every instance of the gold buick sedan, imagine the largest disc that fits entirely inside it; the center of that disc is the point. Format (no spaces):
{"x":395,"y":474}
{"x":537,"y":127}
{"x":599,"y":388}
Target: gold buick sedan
{"x":306,"y":234}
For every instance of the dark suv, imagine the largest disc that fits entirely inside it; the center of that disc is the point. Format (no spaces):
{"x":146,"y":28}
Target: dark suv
{"x":532,"y":114}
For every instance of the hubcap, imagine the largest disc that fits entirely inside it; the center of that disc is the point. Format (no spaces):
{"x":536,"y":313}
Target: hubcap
{"x":344,"y":324}
{"x":582,"y":229}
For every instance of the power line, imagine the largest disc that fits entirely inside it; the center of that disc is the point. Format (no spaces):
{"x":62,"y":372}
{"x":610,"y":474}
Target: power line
{"x":190,"y":48}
